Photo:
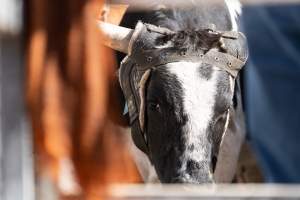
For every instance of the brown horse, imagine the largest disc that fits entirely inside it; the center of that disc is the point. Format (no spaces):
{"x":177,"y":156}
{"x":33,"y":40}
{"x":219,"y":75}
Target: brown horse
{"x":71,"y":99}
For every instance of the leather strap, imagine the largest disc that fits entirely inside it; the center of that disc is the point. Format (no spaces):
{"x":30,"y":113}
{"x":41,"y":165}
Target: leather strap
{"x":145,"y":54}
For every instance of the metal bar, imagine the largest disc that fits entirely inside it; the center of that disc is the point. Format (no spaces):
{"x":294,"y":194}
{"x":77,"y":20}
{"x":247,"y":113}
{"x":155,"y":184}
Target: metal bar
{"x":146,"y":4}
{"x":10,"y":17}
{"x":254,"y":2}
{"x":230,"y":191}
{"x":17,"y":181}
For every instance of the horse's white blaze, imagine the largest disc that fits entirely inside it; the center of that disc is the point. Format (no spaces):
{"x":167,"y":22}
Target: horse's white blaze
{"x":199,"y":99}
{"x":235,"y":10}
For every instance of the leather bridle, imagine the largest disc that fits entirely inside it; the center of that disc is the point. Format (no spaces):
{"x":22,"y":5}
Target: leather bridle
{"x":145,"y":55}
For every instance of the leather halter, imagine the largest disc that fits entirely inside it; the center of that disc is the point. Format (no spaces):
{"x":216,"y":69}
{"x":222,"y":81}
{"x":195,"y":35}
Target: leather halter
{"x":145,"y":54}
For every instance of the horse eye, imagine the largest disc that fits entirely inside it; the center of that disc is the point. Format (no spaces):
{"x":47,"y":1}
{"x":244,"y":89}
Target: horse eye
{"x":154,"y":106}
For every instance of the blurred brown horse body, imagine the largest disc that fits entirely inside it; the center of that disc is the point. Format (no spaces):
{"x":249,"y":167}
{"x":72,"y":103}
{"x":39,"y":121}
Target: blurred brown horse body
{"x":71,"y":100}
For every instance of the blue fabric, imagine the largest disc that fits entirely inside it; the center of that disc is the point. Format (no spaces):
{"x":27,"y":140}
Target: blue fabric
{"x":272,"y":89}
{"x":125,"y":111}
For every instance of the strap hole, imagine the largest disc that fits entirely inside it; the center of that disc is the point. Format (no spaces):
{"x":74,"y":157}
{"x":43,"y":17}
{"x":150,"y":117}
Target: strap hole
{"x":149,"y":59}
{"x":183,"y":52}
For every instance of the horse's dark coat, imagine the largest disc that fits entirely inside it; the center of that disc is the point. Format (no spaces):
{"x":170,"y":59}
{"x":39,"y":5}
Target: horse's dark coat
{"x":164,"y":126}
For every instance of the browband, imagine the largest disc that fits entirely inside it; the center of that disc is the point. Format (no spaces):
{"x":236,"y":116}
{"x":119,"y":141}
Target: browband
{"x":143,"y":48}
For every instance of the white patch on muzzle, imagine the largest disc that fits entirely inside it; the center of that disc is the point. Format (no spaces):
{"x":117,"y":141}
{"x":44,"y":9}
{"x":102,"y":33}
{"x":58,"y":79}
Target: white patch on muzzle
{"x":199,"y":99}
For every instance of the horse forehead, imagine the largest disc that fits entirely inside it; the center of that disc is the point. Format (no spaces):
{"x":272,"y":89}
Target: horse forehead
{"x":199,"y":91}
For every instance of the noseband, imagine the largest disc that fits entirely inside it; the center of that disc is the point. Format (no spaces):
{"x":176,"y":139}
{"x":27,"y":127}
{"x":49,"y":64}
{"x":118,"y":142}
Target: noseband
{"x":153,"y":46}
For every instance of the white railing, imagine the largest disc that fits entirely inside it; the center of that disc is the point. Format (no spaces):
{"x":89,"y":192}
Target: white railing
{"x":146,"y":4}
{"x":10,"y":16}
{"x":186,"y":192}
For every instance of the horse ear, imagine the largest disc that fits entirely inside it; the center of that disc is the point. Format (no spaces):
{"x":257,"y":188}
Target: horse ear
{"x":237,"y":47}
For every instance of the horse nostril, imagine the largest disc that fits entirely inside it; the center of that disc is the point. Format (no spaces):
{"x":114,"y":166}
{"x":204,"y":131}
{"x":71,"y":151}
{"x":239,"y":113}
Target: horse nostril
{"x":192,"y":165}
{"x":214,"y":161}
{"x":197,"y":172}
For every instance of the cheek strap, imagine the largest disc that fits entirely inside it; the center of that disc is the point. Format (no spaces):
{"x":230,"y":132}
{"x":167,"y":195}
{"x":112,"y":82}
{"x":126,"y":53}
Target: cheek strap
{"x":142,"y":95}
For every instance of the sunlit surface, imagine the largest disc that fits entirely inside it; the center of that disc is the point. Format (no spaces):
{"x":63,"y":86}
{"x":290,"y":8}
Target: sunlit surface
{"x":180,"y":192}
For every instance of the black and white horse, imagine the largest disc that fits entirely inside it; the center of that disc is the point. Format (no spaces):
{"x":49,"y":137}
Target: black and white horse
{"x":194,"y":120}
